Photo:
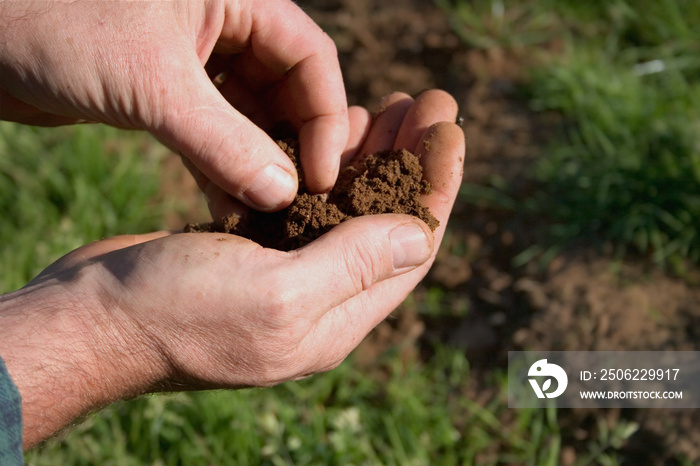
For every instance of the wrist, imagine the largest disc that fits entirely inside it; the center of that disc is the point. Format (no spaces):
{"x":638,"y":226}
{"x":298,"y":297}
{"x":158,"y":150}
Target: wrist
{"x":66,"y":355}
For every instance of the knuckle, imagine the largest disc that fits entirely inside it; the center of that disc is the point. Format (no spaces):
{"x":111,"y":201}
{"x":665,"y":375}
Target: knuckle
{"x":280,"y":300}
{"x":278,"y":329}
{"x":365,"y":263}
{"x":282,"y":316}
{"x":328,"y":44}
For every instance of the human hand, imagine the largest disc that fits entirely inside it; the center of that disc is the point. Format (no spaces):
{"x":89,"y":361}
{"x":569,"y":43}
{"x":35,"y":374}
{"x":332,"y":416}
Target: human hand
{"x":149,"y":65}
{"x":190,"y":311}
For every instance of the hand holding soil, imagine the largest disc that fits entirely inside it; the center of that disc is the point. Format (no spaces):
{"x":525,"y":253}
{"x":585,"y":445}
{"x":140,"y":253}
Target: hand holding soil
{"x":205,"y":78}
{"x":168,"y":311}
{"x":388,"y":181}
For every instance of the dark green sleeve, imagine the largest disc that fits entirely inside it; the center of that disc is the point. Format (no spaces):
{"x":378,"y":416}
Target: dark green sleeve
{"x":10,"y":420}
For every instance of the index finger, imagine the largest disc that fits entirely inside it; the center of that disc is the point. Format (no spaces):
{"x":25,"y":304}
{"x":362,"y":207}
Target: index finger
{"x":288,"y":43}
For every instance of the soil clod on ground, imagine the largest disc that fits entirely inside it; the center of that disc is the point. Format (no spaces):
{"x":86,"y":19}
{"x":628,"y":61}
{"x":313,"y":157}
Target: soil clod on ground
{"x":385,"y":182}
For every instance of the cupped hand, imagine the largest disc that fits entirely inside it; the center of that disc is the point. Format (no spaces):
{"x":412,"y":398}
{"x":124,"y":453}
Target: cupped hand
{"x":150,"y":65}
{"x":191,"y":311}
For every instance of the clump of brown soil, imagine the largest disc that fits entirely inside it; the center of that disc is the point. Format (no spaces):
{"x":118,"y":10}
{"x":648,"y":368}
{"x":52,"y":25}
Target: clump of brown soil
{"x":385,"y":182}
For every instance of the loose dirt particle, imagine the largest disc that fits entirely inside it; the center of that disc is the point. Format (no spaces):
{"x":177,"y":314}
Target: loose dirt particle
{"x":386,"y":182}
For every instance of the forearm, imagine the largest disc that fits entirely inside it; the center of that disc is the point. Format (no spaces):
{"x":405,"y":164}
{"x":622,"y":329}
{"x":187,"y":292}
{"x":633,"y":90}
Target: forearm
{"x":64,"y":360}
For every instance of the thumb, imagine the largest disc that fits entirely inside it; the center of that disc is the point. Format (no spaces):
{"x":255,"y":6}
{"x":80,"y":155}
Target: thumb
{"x":355,"y":255}
{"x":223,"y":144}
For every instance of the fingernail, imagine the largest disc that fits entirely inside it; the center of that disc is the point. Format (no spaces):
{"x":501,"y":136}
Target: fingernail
{"x":271,"y":187}
{"x":409,"y":245}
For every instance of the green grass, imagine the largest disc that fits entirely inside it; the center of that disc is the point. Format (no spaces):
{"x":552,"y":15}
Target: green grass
{"x":64,"y":187}
{"x":625,"y":167}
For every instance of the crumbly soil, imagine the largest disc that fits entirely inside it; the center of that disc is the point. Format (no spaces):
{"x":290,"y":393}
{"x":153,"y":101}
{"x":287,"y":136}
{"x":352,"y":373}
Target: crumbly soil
{"x":584,"y":300}
{"x":385,"y":182}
